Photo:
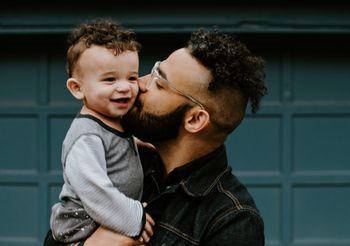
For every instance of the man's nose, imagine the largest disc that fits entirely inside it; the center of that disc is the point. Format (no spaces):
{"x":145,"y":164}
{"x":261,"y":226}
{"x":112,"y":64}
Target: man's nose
{"x":143,"y":82}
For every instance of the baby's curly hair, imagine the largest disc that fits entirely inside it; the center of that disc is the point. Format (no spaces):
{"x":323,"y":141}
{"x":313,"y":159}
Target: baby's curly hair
{"x":101,"y":32}
{"x":231,"y":64}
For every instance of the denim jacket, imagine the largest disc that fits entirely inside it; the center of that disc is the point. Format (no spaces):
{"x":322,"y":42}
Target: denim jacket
{"x":209,"y":206}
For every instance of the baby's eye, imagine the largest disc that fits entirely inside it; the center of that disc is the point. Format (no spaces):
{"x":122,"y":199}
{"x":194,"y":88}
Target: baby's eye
{"x":133,"y":78}
{"x":109,"y":79}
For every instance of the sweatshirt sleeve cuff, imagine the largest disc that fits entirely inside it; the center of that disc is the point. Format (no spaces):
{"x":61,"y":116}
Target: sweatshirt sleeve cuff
{"x":143,"y":223}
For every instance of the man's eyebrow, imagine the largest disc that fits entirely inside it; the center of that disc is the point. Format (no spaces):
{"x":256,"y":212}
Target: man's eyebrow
{"x":161,"y":73}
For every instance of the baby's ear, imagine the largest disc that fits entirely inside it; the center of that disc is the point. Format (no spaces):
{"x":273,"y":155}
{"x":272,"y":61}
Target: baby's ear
{"x":74,"y":86}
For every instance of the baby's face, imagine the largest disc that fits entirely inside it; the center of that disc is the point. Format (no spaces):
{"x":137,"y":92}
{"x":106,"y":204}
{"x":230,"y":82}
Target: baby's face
{"x":109,"y":82}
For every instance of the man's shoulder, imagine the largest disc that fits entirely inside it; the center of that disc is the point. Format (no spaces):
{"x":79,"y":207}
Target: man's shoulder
{"x":232,"y":196}
{"x":233,"y":207}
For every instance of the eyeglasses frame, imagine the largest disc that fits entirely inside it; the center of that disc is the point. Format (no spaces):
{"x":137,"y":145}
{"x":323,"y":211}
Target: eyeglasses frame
{"x":155,"y":75}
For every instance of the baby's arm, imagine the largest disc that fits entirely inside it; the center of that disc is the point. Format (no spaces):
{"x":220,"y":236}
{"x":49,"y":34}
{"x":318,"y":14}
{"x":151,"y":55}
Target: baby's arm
{"x":86,"y":171}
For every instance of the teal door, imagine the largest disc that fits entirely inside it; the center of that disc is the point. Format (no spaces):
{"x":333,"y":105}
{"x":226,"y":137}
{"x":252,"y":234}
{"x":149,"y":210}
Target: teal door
{"x":294,"y":154}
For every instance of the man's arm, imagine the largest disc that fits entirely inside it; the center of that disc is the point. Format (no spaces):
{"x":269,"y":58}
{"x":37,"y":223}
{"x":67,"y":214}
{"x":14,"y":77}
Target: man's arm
{"x":101,"y":237}
{"x":104,"y":237}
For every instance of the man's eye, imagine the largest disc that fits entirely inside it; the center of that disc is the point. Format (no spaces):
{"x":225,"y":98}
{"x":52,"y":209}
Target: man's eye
{"x":159,"y":83}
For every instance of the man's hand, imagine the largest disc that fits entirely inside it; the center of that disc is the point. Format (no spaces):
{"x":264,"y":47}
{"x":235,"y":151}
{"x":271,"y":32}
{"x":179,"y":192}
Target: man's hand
{"x":104,"y":237}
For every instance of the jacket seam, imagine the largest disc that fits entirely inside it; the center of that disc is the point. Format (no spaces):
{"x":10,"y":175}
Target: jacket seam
{"x":233,"y":210}
{"x":230,"y":195}
{"x":178,"y":233}
{"x":215,"y":182}
{"x":237,"y":208}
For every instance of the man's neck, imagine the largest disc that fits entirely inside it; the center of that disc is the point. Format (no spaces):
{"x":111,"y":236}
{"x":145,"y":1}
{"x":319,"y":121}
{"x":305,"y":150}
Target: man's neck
{"x":175,"y":153}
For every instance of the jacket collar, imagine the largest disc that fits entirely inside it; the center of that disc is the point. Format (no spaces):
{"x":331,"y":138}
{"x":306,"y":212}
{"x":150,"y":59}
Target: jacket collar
{"x":203,"y":179}
{"x":195,"y":178}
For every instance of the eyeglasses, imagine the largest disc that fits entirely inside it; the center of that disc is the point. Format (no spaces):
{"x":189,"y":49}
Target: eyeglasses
{"x":159,"y":80}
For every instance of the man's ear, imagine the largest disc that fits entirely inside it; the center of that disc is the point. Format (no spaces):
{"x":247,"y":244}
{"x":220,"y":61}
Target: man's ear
{"x":196,"y":120}
{"x":74,"y":86}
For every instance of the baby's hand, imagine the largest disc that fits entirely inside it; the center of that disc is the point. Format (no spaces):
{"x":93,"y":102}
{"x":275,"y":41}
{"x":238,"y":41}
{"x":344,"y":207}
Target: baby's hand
{"x":148,"y":229}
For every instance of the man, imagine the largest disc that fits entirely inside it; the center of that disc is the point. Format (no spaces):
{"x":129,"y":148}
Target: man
{"x":186,"y":108}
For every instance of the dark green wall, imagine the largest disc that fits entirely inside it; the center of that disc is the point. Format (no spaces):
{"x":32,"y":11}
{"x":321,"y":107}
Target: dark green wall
{"x":293,"y":155}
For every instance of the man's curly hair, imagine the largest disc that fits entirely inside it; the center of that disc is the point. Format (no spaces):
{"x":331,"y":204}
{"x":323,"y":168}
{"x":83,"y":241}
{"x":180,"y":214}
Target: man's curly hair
{"x":101,"y":32}
{"x":231,"y":64}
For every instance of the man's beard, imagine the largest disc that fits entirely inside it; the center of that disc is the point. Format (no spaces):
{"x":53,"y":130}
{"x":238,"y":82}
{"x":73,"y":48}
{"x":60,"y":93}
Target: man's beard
{"x":153,"y":128}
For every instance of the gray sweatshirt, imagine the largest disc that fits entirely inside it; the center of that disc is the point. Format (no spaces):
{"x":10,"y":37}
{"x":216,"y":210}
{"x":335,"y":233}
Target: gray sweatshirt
{"x":103,"y":177}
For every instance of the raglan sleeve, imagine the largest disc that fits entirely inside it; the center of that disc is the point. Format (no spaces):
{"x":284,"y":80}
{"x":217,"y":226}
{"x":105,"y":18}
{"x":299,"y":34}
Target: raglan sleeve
{"x":86,"y":171}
